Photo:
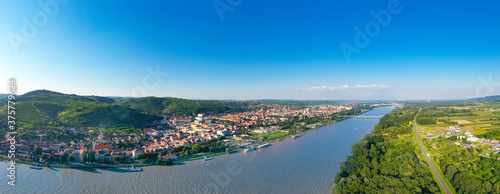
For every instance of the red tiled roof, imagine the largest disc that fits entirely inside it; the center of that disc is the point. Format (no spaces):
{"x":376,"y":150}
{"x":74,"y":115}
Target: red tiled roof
{"x":101,"y":147}
{"x":170,"y":156}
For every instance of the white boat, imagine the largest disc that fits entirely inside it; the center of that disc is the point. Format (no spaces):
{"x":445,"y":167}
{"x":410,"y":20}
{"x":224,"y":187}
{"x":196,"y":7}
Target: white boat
{"x":133,"y":169}
{"x":295,"y":136}
{"x":263,"y":146}
{"x":207,"y":159}
{"x":249,"y":150}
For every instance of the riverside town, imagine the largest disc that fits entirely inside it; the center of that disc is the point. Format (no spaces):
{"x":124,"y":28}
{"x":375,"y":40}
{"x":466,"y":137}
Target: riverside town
{"x":169,"y":139}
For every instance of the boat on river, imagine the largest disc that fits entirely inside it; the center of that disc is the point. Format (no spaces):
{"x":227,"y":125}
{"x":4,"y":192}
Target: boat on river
{"x":36,"y":167}
{"x":249,"y":150}
{"x":263,"y":146}
{"x":133,"y":169}
{"x":207,"y":159}
{"x":296,"y":136}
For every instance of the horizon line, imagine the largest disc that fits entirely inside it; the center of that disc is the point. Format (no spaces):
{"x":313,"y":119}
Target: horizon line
{"x":262,"y":99}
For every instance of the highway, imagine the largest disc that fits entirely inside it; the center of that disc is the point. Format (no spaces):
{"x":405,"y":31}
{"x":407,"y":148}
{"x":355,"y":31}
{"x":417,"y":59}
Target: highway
{"x":438,"y":176}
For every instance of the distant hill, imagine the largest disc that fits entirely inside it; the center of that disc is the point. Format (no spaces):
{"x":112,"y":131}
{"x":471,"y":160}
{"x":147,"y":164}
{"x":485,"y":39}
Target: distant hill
{"x":102,"y":99}
{"x":178,"y":106}
{"x":487,"y":99}
{"x":2,"y":96}
{"x":299,"y":103}
{"x":48,"y":96}
{"x":48,"y":109}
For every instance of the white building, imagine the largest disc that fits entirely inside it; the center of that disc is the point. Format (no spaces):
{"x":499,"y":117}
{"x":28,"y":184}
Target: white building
{"x":224,"y":132}
{"x":135,"y":153}
{"x":200,"y":118}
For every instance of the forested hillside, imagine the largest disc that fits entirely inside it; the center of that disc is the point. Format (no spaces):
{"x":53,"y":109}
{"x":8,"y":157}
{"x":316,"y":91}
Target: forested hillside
{"x":183,"y":107}
{"x":43,"y":109}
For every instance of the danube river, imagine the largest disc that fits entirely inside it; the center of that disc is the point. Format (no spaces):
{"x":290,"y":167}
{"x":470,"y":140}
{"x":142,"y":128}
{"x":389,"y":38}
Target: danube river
{"x":303,"y":165}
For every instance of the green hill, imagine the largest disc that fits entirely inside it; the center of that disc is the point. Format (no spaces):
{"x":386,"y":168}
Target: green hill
{"x":102,"y":99}
{"x":48,"y":109}
{"x":157,"y":106}
{"x":486,"y":99}
{"x":53,"y":97}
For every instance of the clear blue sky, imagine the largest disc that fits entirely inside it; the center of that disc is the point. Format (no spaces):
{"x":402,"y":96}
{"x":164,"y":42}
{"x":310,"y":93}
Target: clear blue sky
{"x":260,"y":49}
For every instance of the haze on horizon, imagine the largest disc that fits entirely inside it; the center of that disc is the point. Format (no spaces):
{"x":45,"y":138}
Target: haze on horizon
{"x":254,"y":49}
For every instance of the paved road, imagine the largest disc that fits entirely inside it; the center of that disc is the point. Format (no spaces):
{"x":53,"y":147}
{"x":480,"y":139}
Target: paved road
{"x":439,"y":178}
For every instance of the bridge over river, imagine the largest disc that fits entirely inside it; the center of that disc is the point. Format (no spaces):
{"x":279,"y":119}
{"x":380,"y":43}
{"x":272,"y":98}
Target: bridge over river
{"x":364,"y":117}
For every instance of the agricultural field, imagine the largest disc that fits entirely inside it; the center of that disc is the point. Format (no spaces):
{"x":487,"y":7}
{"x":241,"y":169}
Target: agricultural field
{"x":481,"y":119}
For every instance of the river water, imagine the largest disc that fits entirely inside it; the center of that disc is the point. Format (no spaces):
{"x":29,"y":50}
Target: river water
{"x":303,"y":165}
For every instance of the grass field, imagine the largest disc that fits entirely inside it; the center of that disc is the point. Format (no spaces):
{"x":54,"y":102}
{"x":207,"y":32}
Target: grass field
{"x":254,"y":134}
{"x":276,"y":135}
{"x":490,"y":104}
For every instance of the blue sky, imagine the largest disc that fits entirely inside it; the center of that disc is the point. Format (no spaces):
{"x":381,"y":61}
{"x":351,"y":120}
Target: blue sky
{"x":257,"y":50}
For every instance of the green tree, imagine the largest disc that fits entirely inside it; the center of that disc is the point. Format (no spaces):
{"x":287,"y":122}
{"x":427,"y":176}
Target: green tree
{"x":63,"y":159}
{"x":44,"y":157}
{"x":38,"y":150}
{"x":104,"y":160}
{"x":92,"y":156}
{"x":169,"y":161}
{"x":148,"y":156}
{"x":85,"y":157}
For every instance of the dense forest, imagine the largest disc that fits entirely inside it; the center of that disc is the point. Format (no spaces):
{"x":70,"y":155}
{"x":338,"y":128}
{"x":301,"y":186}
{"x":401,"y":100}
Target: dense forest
{"x":465,"y":182}
{"x":383,"y":163}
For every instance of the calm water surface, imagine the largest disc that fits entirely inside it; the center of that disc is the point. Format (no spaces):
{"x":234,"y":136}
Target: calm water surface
{"x":303,"y":165}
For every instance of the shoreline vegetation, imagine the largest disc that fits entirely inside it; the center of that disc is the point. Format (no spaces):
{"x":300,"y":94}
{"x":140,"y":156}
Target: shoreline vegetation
{"x":387,"y":160}
{"x":339,"y":117}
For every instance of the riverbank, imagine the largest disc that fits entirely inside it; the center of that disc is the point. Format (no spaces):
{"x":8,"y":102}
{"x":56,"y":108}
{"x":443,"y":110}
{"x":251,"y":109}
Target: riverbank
{"x":79,"y":166}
